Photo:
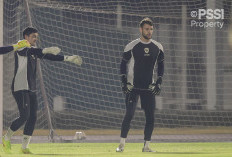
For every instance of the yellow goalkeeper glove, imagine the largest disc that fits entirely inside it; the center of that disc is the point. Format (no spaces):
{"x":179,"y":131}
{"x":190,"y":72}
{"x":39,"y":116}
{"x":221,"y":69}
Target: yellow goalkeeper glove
{"x":21,"y":44}
{"x":73,"y":59}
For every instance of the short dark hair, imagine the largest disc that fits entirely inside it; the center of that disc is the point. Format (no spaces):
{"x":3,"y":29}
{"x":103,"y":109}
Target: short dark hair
{"x":29,"y":30}
{"x":146,"y":21}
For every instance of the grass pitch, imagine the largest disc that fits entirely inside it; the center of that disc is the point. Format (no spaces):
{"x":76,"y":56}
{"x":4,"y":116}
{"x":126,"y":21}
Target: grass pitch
{"x":131,"y":149}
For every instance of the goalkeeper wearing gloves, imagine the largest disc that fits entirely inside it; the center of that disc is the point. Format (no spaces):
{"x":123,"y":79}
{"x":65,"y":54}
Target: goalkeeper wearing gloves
{"x":20,"y":44}
{"x":24,"y":85}
{"x":139,"y":60}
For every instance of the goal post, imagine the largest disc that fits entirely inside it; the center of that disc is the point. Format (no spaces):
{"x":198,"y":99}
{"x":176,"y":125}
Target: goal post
{"x":89,"y":97}
{"x":1,"y":70}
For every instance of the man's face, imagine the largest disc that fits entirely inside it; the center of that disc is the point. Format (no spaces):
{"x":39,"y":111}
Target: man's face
{"x":32,"y":38}
{"x":146,"y":31}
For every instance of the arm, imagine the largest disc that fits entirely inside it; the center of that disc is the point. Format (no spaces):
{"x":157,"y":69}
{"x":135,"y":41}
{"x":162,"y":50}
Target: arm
{"x":6,"y":49}
{"x":14,"y":47}
{"x":156,"y":87}
{"x":51,"y":54}
{"x":160,"y":71}
{"x":52,"y":57}
{"x":125,"y":59}
{"x":41,"y":53}
{"x":126,"y":87}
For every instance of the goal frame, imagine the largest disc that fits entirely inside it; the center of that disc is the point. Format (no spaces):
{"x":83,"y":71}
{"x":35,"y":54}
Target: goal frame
{"x":1,"y":70}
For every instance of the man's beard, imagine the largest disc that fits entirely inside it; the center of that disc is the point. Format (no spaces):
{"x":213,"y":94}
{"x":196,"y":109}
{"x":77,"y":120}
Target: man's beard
{"x":145,"y":37}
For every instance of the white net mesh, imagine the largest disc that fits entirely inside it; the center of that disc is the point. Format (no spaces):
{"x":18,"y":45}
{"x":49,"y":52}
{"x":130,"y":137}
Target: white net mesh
{"x":89,"y":97}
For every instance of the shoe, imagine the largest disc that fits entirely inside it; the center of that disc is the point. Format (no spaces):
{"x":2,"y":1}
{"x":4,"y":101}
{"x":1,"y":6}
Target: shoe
{"x":120,"y":148}
{"x":147,"y":149}
{"x":26,"y":151}
{"x":6,"y":145}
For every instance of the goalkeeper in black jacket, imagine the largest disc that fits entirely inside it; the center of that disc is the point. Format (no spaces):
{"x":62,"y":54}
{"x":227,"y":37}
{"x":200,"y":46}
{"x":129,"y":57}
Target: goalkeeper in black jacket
{"x":24,"y":86}
{"x":137,"y":70}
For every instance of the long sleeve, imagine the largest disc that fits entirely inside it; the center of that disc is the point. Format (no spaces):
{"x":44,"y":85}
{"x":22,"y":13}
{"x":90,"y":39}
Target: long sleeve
{"x":52,"y":57}
{"x":123,"y":67}
{"x":6,"y":49}
{"x":160,"y":71}
{"x":38,"y":52}
{"x":125,"y":58}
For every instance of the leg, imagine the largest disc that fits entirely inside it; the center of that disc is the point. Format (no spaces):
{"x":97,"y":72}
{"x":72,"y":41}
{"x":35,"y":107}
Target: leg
{"x":22,"y":99}
{"x":30,"y":124}
{"x":23,"y":102}
{"x":131,"y":101}
{"x":148,"y":105}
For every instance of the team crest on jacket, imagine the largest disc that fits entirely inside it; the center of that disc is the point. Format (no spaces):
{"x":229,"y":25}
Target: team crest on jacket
{"x":146,"y":50}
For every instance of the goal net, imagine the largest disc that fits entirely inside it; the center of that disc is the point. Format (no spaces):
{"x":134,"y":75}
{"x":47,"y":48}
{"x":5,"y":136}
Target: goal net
{"x":197,"y":88}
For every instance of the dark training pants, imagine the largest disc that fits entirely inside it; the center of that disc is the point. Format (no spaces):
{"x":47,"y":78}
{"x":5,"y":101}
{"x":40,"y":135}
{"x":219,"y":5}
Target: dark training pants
{"x":147,"y":104}
{"x":27,"y":105}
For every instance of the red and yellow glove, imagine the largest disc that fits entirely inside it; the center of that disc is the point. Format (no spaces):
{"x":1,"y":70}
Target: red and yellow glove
{"x":21,"y":44}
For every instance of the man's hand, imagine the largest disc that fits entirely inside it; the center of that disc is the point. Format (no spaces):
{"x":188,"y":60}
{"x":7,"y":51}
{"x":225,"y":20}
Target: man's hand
{"x":156,"y":87}
{"x":127,"y":88}
{"x":21,"y":44}
{"x":51,"y":50}
{"x":73,"y":59}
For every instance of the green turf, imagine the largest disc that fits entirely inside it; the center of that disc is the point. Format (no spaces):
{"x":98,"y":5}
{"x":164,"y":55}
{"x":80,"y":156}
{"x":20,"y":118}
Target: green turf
{"x":131,"y":149}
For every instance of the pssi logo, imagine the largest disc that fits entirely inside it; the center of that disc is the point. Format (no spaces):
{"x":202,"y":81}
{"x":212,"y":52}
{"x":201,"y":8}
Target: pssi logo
{"x":208,"y":13}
